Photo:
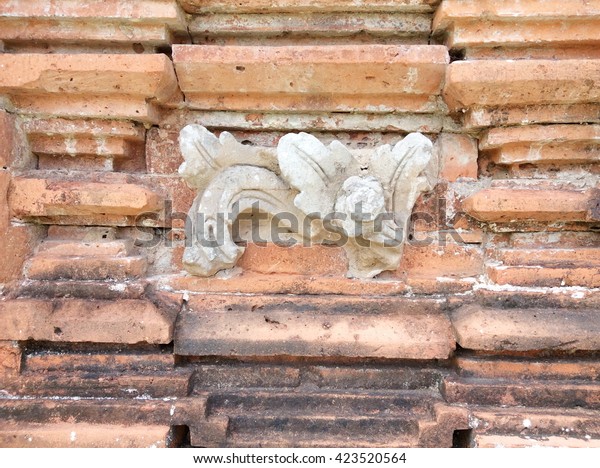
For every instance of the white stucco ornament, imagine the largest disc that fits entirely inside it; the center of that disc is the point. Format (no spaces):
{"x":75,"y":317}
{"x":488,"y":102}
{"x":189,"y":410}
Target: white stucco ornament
{"x":363,"y":207}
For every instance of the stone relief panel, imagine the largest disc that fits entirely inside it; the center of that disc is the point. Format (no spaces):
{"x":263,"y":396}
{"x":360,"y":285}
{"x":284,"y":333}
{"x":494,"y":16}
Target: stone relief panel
{"x":325,"y":194}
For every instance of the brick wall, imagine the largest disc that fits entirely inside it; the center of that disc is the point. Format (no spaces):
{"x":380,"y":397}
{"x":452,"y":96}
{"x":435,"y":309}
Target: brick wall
{"x":486,"y":334}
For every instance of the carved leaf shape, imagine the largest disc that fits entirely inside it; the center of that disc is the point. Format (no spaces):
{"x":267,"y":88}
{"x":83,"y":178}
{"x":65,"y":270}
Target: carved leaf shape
{"x":406,"y":171}
{"x":200,"y":150}
{"x":315,"y":170}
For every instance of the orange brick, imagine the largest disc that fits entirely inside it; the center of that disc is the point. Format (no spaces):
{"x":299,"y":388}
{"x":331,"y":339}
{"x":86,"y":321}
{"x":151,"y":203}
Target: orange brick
{"x":458,"y":156}
{"x":543,"y":144}
{"x":515,"y":24}
{"x":116,"y":86}
{"x":449,"y":260}
{"x":299,"y":78}
{"x":7,"y":130}
{"x":83,"y":435}
{"x":488,"y":83}
{"x":544,"y":275}
{"x":47,"y":197}
{"x":10,"y":358}
{"x":163,"y":155}
{"x":72,"y":320}
{"x":518,"y":204}
{"x":297,"y":260}
{"x":487,"y":329}
{"x":313,"y":326}
{"x":549,"y":257}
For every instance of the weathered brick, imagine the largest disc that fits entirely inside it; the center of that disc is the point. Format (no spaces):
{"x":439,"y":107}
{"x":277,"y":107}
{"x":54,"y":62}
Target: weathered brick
{"x":488,"y":83}
{"x":504,"y":441}
{"x":543,"y":144}
{"x":10,"y":358}
{"x":391,"y":328}
{"x":297,"y":260}
{"x":88,"y":85}
{"x":102,"y":267}
{"x":544,"y":276}
{"x":126,"y":321}
{"x":251,"y":283}
{"x":163,"y":155}
{"x":299,"y":78}
{"x":458,"y":156}
{"x":7,"y":129}
{"x":528,"y":369}
{"x":84,"y":435}
{"x":449,"y":260}
{"x":259,"y":6}
{"x":47,"y":197}
{"x":500,"y":204}
{"x":488,"y":329}
{"x":532,"y":114}
{"x":512,"y":24}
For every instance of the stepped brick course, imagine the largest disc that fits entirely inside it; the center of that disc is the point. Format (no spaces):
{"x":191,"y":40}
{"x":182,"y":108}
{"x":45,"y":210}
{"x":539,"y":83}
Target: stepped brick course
{"x":485,"y":333}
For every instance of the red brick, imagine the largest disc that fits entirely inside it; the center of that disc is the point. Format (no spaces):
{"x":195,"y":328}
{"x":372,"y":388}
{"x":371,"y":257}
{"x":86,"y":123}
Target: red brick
{"x":251,"y":283}
{"x":83,"y":435}
{"x":313,"y":326}
{"x":544,"y":276}
{"x":300,"y":78}
{"x":512,"y":24}
{"x":487,"y":329}
{"x":163,"y":155}
{"x":126,"y":321}
{"x":458,"y":156}
{"x":532,"y":114}
{"x":102,"y":267}
{"x":115,"y":86}
{"x":488,"y":83}
{"x":448,"y":261}
{"x":297,"y":260}
{"x":259,"y":6}
{"x":494,"y":368}
{"x":7,"y":129}
{"x":10,"y":358}
{"x":47,"y":197}
{"x":543,"y":144}
{"x":518,"y":204}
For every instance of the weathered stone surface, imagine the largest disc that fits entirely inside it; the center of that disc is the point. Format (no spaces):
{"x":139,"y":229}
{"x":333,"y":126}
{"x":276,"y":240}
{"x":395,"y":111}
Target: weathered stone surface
{"x":126,"y":321}
{"x":499,"y":441}
{"x":489,"y":329}
{"x":294,"y":28}
{"x":499,"y":204}
{"x":260,"y":6}
{"x":85,"y":267}
{"x":7,"y":129}
{"x":88,"y":85}
{"x":489,"y":83}
{"x":84,"y":435}
{"x":47,"y":197}
{"x":311,"y":78}
{"x":394,"y":328}
{"x":364,"y":209}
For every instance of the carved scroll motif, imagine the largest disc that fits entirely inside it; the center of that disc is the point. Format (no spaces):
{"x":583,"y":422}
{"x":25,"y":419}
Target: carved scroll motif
{"x":364,"y":207}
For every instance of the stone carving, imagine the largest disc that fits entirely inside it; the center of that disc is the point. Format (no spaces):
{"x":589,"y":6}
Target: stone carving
{"x":363,"y":206}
